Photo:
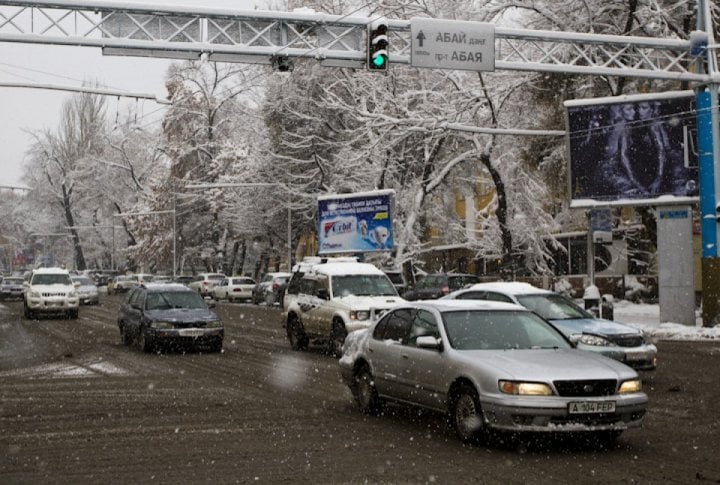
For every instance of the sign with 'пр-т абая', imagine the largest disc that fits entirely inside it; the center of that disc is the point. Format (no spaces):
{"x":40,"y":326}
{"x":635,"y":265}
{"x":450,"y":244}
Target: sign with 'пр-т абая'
{"x":452,"y":44}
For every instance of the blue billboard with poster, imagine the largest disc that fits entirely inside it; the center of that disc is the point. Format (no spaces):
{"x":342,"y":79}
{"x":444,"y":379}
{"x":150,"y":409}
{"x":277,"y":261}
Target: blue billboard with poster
{"x":355,"y":223}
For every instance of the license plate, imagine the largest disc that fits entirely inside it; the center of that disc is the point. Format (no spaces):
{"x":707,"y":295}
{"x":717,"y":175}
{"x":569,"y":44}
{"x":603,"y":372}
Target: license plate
{"x":191,"y":332}
{"x":591,"y":407}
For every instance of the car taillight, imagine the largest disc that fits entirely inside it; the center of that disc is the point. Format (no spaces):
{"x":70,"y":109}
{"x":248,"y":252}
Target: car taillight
{"x":206,"y":282}
{"x":275,"y":285}
{"x":445,"y":290}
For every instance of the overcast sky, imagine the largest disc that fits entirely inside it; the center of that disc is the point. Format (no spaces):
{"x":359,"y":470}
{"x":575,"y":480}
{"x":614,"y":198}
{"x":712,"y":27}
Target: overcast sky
{"x":34,"y":110}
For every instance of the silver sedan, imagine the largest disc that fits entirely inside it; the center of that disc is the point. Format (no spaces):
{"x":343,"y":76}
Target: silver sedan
{"x":489,"y":365}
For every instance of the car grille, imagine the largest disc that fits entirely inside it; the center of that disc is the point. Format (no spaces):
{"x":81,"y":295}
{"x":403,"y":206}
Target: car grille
{"x":190,"y":324}
{"x":627,"y":340}
{"x":52,"y":293}
{"x":605,"y":387}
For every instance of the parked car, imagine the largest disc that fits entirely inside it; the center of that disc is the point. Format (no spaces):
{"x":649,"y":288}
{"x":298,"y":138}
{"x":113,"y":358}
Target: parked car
{"x":436,"y":285}
{"x":11,"y":288}
{"x":268,"y":288}
{"x":205,"y":282}
{"x":184,"y":279}
{"x":235,"y":288}
{"x":398,"y":280}
{"x":616,"y":340}
{"x":87,"y":290}
{"x":333,"y":298}
{"x":168,"y":313}
{"x":162,"y":278}
{"x":50,"y":291}
{"x":121,"y":284}
{"x":490,"y":366}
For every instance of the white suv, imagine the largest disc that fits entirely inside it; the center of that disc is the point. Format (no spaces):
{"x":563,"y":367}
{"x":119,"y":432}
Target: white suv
{"x":327,"y":298}
{"x":50,"y":291}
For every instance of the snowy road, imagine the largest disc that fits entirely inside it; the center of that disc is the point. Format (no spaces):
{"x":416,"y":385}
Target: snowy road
{"x":78,"y":407}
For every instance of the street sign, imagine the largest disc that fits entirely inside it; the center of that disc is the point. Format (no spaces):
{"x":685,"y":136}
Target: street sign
{"x":452,"y":44}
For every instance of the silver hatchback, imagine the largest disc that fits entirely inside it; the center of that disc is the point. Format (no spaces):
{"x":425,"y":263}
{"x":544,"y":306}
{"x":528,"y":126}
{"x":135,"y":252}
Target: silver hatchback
{"x":491,"y":366}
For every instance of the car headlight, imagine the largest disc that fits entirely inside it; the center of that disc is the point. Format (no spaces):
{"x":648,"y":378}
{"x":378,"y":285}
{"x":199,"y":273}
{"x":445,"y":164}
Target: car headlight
{"x":161,"y":325}
{"x":72,"y":294}
{"x":525,"y":388}
{"x":214,"y":324}
{"x":360,"y":315}
{"x":595,"y":341}
{"x":634,"y":385}
{"x":34,"y":294}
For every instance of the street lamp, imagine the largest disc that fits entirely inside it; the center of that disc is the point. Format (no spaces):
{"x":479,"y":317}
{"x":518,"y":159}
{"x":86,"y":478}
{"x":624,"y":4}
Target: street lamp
{"x":257,"y":184}
{"x":131,"y":214}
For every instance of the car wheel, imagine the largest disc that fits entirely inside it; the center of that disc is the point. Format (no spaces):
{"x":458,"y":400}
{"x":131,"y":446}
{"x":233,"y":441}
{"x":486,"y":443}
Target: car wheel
{"x":216,"y":346}
{"x":125,"y":337}
{"x":27,"y":313}
{"x":365,"y":393}
{"x":466,"y":415}
{"x":296,"y":334}
{"x":145,"y":343}
{"x":337,"y":338}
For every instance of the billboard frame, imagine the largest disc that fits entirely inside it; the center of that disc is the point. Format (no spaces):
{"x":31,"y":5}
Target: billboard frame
{"x":618,"y":200}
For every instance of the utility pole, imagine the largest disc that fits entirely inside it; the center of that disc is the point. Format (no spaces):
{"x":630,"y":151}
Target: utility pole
{"x":709,"y":157}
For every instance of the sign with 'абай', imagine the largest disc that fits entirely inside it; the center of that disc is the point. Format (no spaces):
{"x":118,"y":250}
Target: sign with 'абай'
{"x":452,"y":44}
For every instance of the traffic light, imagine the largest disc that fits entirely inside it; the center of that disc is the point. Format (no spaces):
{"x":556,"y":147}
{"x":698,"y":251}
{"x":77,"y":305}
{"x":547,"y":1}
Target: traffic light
{"x":377,"y":48}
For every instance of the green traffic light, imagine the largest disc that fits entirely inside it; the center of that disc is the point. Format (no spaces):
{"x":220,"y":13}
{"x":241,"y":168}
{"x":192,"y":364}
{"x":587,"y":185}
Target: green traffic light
{"x":379,"y":61}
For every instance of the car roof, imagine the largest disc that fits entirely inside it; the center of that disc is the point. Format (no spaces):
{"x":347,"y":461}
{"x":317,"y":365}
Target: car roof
{"x":50,"y":271}
{"x":345,"y":268}
{"x":443,"y":305}
{"x":509,"y":288}
{"x":159,"y":287}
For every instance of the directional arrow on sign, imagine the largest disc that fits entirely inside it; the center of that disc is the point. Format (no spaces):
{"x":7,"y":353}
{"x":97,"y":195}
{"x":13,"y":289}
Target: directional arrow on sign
{"x":420,"y":37}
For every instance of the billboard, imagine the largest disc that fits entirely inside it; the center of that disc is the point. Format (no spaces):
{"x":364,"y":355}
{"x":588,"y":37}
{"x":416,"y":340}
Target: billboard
{"x":355,"y":223}
{"x":632,"y":150}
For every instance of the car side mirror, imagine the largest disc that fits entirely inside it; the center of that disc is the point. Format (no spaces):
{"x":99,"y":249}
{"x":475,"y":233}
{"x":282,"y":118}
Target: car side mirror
{"x":428,"y":342}
{"x":76,"y":284}
{"x":323,"y":293}
{"x":211,"y":304}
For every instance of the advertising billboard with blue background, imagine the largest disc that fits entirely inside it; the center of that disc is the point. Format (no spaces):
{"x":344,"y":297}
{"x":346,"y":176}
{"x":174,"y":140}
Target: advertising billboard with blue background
{"x":355,"y":223}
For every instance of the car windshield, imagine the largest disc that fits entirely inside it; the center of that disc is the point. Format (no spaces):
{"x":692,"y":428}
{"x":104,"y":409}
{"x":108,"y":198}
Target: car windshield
{"x":363,"y":285}
{"x":174,"y":299}
{"x":12,"y":281}
{"x":553,"y":306}
{"x":51,"y":279}
{"x":395,"y":278}
{"x":500,"y":330}
{"x":216,"y":277}
{"x":84,"y":281}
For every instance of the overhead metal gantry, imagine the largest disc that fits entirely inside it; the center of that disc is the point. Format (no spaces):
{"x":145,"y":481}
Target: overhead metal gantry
{"x":267,"y":37}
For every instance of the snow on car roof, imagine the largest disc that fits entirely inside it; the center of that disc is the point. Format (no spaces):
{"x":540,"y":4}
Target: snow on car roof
{"x":511,"y":288}
{"x":346,"y":268}
{"x":50,"y":271}
{"x":445,"y":305}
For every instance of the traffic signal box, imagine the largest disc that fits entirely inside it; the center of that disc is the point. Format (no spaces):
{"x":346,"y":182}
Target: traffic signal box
{"x":377,"y":49}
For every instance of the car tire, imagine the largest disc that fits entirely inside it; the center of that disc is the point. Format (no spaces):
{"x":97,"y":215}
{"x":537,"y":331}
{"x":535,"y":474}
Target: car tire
{"x":296,"y":334}
{"x":466,"y":416}
{"x":365,"y":392}
{"x":125,"y":337}
{"x":337,"y":338}
{"x":216,"y":346}
{"x":27,"y":313}
{"x":145,"y":343}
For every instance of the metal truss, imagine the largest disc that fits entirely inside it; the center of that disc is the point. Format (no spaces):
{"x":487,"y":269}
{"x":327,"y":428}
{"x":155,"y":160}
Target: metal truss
{"x":228,"y":35}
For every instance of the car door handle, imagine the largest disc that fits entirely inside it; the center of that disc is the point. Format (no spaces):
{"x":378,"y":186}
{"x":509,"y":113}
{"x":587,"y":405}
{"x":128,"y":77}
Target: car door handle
{"x":405,"y":356}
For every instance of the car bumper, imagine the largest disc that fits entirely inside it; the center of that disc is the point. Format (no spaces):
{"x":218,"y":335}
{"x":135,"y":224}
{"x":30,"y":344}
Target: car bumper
{"x":52,"y":306}
{"x":89,"y":300}
{"x":11,"y":295}
{"x":643,"y":357}
{"x":187,"y":335}
{"x":537,"y":414}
